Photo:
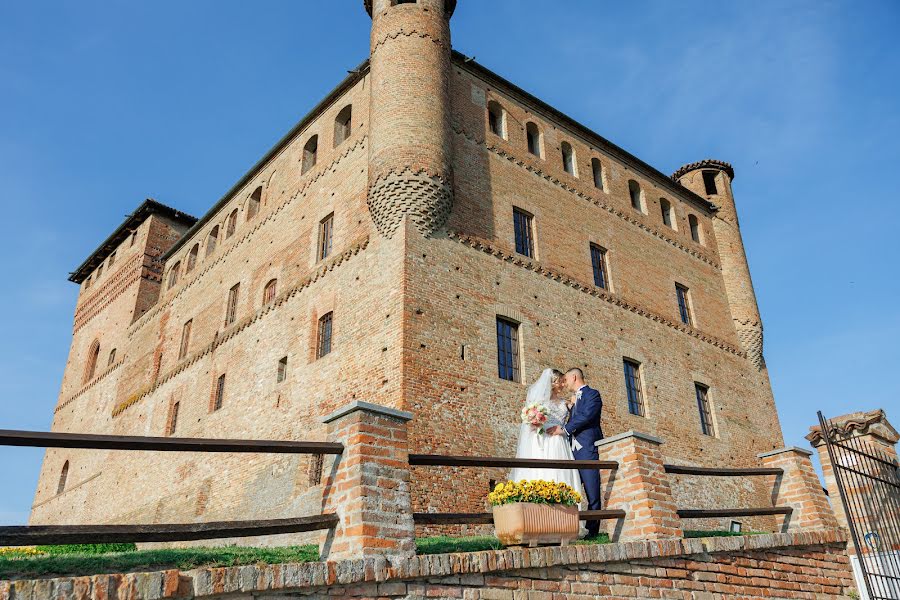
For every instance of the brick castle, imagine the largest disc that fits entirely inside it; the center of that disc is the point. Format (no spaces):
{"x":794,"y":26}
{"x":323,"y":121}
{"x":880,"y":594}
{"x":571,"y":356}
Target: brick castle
{"x":429,"y":237}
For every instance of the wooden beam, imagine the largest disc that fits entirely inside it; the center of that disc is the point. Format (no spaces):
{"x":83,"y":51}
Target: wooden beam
{"x":488,"y":518}
{"x":734,"y":512}
{"x":440,"y":460}
{"x":721,"y":472}
{"x":29,"y":535}
{"x":52,"y":439}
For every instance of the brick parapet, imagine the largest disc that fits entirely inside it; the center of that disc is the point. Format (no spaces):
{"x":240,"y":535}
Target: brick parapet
{"x":799,"y":488}
{"x":810,"y":564}
{"x":640,"y":487}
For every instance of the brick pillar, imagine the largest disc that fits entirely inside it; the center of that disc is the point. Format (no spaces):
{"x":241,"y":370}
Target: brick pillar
{"x":640,"y":487}
{"x":799,"y":488}
{"x":368,"y":486}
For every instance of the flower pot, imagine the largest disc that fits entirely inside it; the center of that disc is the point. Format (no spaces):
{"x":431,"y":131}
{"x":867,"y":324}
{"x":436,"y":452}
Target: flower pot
{"x":522,"y":523}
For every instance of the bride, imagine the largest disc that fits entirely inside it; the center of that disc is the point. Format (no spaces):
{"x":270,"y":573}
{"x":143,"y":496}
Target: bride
{"x":547,"y":391}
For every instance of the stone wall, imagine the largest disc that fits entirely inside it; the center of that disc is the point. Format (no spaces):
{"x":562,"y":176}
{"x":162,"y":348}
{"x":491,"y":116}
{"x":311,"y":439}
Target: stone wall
{"x":809,"y":565}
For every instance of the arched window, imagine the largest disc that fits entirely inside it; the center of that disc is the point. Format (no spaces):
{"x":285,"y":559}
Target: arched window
{"x":63,"y":476}
{"x":496,"y":119}
{"x":254,"y":202}
{"x":666,"y":208}
{"x":534,"y":139}
{"x":696,"y":233}
{"x":211,"y":240}
{"x":310,"y":150}
{"x":173,"y":274}
{"x":597,"y":170}
{"x":343,"y":125}
{"x":636,"y":195}
{"x":269,"y":292}
{"x":91,"y":367}
{"x":231,"y":224}
{"x":112,"y":357}
{"x":192,"y":258}
{"x":568,"y":159}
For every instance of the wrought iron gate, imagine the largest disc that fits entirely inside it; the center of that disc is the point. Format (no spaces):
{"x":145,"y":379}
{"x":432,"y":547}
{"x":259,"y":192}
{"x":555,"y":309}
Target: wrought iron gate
{"x":869,"y":484}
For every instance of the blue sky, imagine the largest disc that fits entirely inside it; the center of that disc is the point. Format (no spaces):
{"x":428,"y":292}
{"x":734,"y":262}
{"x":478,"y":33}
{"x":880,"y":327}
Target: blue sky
{"x":105,"y":103}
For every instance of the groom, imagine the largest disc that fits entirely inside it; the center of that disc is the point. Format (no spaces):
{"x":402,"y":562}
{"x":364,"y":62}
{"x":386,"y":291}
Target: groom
{"x":583,"y":429}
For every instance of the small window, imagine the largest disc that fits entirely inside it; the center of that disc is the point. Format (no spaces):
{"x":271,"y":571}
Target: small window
{"x":696,"y":234}
{"x":310,"y":151}
{"x":219,"y":393}
{"x":63,"y":476}
{"x":269,"y":292}
{"x":534,"y":139}
{"x":133,"y":237}
{"x":597,"y":170}
{"x":598,"y":263}
{"x":633,"y":387}
{"x":523,"y":223}
{"x":666,"y":208}
{"x":87,"y":282}
{"x":112,"y":260}
{"x":706,"y":423}
{"x":343,"y":125}
{"x":173,"y":274}
{"x":231,"y":308}
{"x":684,"y":304}
{"x":91,"y":367}
{"x":192,"y":258}
{"x":709,"y":183}
{"x":508,"y":364}
{"x":185,"y":339}
{"x":172,"y":421}
{"x":99,"y":271}
{"x":496,"y":119}
{"x":568,"y":159}
{"x":282,"y":370}
{"x":636,"y":195}
{"x":112,"y":358}
{"x":735,"y":527}
{"x":253,"y":203}
{"x":326,"y":235}
{"x":211,"y":240}
{"x":232,"y":224}
{"x":323,"y":339}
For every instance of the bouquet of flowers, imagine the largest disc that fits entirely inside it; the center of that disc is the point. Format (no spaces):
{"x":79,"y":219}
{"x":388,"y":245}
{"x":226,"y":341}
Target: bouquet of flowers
{"x":535,"y":415}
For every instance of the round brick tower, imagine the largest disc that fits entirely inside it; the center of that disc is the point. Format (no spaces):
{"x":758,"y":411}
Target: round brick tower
{"x":409,"y":121}
{"x":711,"y":179}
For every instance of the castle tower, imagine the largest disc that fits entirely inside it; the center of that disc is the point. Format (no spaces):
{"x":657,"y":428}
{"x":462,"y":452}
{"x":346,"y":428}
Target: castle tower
{"x":409,"y":141}
{"x":712,"y":179}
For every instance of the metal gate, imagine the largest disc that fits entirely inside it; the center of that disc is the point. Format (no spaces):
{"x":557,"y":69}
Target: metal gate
{"x":869,"y":484}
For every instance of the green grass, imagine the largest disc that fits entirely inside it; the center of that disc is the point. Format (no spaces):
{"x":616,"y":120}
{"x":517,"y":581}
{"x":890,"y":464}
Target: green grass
{"x":446,"y":544}
{"x":65,"y":561}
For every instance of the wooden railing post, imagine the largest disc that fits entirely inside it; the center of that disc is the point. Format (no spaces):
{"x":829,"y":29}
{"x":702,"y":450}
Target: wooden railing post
{"x":641,"y":487}
{"x":368,"y":486}
{"x":799,"y":488}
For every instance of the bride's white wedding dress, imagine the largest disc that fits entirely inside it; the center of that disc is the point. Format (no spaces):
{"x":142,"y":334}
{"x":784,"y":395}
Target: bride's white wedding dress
{"x":556,"y":447}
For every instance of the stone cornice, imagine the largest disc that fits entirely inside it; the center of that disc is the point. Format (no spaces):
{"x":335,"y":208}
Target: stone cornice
{"x":710,"y":163}
{"x":522,"y":262}
{"x":595,"y":200}
{"x":873,"y":422}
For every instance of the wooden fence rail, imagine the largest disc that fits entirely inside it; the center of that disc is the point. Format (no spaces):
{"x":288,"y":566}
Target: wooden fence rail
{"x":439,"y":460}
{"x":720,"y":471}
{"x":488,"y":518}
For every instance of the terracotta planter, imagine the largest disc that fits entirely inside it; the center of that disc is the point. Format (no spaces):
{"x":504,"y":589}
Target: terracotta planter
{"x":522,"y":523}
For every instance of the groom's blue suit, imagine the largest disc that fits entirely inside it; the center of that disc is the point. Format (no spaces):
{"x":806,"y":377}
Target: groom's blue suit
{"x":584,"y":428}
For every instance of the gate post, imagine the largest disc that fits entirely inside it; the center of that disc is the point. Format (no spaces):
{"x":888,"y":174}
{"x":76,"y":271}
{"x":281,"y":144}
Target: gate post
{"x":800,"y":489}
{"x":368,"y":486}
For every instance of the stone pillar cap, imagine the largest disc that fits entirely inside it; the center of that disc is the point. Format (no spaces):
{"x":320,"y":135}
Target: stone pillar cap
{"x":873,"y":422}
{"x":368,"y":407}
{"x":783,"y":450}
{"x":621,"y":436}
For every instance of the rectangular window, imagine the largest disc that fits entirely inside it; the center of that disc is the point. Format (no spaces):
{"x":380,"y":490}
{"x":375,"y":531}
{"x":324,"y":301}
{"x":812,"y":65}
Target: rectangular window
{"x":219,"y":393}
{"x":684,"y":304}
{"x":598,"y":262}
{"x":173,"y":419}
{"x":633,"y":387}
{"x":282,"y":370}
{"x":326,"y":233}
{"x":323,"y":343}
{"x":709,"y":182}
{"x":231,"y":309}
{"x":185,"y":339}
{"x":112,"y":260}
{"x":508,"y":349}
{"x":706,"y":424}
{"x":524,"y":228}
